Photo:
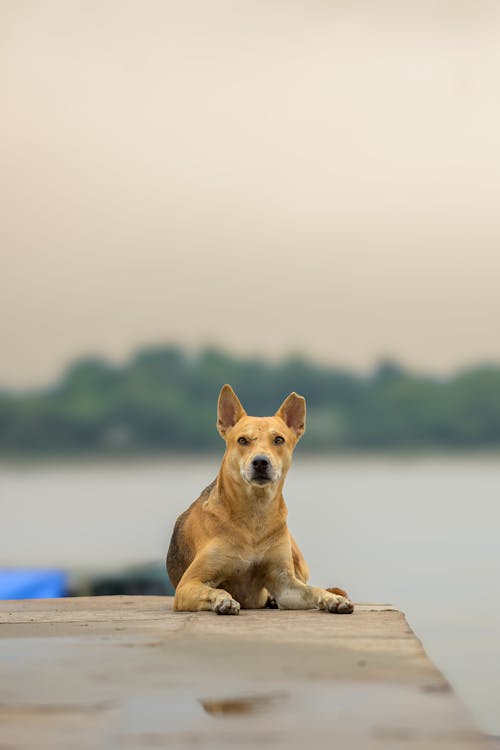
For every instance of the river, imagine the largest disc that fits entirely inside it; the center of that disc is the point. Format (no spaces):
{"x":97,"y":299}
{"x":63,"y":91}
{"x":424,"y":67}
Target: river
{"x":421,"y":533}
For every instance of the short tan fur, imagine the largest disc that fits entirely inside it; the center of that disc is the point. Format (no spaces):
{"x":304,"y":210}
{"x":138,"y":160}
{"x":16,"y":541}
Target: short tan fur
{"x":232,"y":548}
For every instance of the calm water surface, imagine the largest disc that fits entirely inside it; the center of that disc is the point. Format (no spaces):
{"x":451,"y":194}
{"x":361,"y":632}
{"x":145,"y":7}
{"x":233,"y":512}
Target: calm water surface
{"x":422,"y":534}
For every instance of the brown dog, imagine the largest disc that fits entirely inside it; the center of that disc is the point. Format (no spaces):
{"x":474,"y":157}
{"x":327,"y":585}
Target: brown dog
{"x":232,"y":547}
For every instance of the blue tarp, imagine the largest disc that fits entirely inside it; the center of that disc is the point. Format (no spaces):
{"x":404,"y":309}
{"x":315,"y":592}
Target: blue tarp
{"x":32,"y":584}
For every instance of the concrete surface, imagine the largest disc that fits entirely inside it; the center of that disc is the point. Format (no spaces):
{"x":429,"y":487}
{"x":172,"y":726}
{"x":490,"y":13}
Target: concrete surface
{"x":127,"y":672}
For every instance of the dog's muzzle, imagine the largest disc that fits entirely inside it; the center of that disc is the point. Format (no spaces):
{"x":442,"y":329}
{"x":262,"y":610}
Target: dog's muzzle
{"x":261,"y":470}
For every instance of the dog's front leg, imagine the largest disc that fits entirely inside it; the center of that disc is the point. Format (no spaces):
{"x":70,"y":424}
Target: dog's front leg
{"x":290,"y":593}
{"x":194,"y":591}
{"x":193,"y":596}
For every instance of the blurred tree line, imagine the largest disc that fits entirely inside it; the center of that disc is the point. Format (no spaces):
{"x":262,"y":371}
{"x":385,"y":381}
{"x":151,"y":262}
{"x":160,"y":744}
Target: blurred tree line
{"x":164,"y":399}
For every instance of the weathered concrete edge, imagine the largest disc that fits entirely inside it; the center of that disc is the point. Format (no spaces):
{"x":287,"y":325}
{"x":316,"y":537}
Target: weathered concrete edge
{"x":379,"y":633}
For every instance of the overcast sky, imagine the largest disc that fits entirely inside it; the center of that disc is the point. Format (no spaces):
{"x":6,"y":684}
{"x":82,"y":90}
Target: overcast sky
{"x":268,"y":176}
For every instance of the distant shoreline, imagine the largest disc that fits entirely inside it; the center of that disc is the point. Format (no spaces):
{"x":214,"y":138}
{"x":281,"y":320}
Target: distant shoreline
{"x":309,"y":456}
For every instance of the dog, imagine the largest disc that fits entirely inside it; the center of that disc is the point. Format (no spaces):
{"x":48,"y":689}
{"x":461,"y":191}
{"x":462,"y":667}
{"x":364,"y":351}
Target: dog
{"x":231,"y":548}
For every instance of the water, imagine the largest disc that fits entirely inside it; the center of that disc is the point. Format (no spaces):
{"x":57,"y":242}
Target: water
{"x":420,"y":533}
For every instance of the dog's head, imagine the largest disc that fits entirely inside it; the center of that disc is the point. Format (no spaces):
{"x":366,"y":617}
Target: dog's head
{"x":259,"y":449}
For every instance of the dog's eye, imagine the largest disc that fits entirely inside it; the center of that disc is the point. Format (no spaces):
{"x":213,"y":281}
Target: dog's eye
{"x":278,"y":440}
{"x":242,"y":441}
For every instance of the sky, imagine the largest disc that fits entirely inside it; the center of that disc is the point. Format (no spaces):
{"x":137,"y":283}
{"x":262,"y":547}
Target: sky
{"x":317,"y":176}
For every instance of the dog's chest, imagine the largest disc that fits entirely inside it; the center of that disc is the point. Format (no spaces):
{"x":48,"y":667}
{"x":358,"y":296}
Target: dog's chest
{"x":247,"y":565}
{"x":246,"y":580}
{"x":248,"y":570}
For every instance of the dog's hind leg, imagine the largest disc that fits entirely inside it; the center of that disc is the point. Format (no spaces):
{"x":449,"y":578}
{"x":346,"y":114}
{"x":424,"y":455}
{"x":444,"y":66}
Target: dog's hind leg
{"x":262,"y":600}
{"x":299,"y":564}
{"x":339,"y":592}
{"x":302,"y":571}
{"x":271,"y":602}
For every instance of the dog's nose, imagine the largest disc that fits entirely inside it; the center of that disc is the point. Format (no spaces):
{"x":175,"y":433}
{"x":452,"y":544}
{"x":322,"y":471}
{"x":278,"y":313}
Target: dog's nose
{"x":260,"y":463}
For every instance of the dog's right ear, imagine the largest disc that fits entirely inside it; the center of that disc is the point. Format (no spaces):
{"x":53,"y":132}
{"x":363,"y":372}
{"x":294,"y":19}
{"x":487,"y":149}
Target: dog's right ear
{"x":229,"y":410}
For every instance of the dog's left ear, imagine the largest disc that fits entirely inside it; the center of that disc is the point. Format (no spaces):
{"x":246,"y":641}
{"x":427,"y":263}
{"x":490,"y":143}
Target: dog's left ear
{"x":293,"y":413}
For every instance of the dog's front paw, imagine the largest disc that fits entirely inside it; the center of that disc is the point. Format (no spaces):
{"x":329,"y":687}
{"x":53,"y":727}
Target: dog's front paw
{"x":340,"y":605}
{"x":224,"y":605}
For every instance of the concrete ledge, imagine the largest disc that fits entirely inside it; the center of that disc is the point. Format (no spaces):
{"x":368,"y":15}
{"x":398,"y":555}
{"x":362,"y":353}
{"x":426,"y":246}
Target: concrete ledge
{"x":113,"y":672}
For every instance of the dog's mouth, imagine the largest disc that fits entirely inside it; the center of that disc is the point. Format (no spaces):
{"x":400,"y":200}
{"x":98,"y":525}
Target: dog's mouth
{"x":260,"y":475}
{"x":261,"y":479}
